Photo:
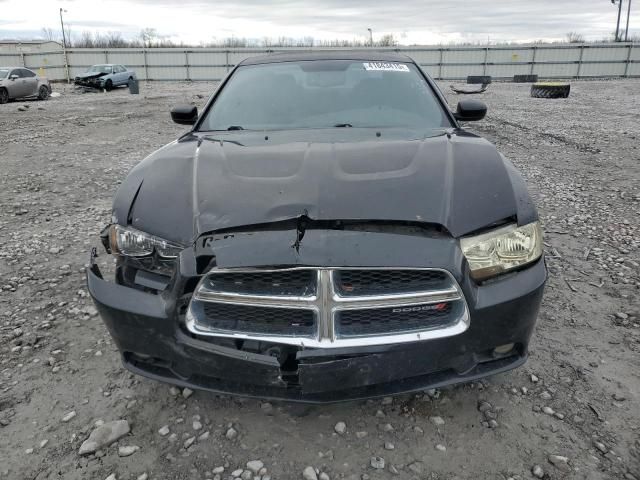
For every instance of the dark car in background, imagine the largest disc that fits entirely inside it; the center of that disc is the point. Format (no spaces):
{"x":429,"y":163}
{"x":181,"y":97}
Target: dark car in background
{"x":325,"y":231}
{"x":20,"y":82}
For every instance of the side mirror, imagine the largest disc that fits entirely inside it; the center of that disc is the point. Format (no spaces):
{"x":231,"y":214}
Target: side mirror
{"x":184,"y":115}
{"x":470,"y":110}
{"x":14,"y":77}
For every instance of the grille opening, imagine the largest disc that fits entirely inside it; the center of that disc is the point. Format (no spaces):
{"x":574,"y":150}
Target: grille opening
{"x":258,"y":320}
{"x":280,"y":283}
{"x":389,"y":321}
{"x":380,"y":282}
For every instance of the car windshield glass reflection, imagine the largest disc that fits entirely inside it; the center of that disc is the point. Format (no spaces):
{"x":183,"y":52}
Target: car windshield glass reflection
{"x":326,"y":94}
{"x":100,"y":69}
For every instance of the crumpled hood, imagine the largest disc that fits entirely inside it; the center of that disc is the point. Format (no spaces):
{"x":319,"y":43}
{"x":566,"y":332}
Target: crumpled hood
{"x":87,"y":75}
{"x":196,"y":185}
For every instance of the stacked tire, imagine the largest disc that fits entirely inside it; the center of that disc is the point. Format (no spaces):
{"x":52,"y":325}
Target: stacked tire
{"x":550,"y":90}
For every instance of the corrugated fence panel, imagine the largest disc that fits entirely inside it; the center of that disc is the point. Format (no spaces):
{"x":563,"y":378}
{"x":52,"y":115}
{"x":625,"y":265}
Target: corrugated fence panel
{"x":560,"y":54}
{"x":507,"y":71}
{"x":466,"y":57}
{"x":634,"y":70}
{"x":129,"y":59}
{"x":424,"y":57}
{"x":10,"y":60}
{"x":605,"y":54}
{"x":548,"y":61}
{"x":602,"y":70}
{"x":44,"y":60}
{"x":167,"y":73}
{"x":555,"y":70}
{"x":510,"y":55}
{"x":163,"y":57}
{"x":79,"y":58}
{"x":461,"y":71}
{"x":207,"y":58}
{"x":207,"y":73}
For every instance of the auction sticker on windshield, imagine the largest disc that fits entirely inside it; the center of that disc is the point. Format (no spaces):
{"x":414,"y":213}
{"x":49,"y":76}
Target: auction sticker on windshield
{"x":385,"y":67}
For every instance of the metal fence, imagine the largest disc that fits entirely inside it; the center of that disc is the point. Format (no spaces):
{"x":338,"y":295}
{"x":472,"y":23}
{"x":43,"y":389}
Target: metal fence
{"x":445,"y":63}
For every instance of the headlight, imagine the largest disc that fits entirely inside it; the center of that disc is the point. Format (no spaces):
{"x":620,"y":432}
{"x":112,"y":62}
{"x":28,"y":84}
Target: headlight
{"x":501,"y":250}
{"x":134,"y":243}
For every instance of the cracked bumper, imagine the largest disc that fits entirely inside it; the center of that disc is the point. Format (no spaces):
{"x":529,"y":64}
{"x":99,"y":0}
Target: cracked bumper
{"x":153,"y":343}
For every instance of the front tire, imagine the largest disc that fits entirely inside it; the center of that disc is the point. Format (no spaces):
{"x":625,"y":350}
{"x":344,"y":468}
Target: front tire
{"x":108,"y":85}
{"x":4,"y":95}
{"x":43,"y":93}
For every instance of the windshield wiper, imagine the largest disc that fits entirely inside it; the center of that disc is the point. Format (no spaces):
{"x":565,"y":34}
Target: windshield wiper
{"x":343,"y":125}
{"x":235,"y":127}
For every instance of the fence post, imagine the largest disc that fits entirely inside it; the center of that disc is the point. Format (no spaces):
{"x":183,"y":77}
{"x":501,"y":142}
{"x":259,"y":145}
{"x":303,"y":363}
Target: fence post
{"x":66,"y":63}
{"x":626,"y":68}
{"x":440,"y":63}
{"x":226,"y":63}
{"x":106,"y":56}
{"x":146,"y":68}
{"x":22,"y":57}
{"x":580,"y":61}
{"x":186,"y":59}
{"x":533,"y":60}
{"x":486,"y":56}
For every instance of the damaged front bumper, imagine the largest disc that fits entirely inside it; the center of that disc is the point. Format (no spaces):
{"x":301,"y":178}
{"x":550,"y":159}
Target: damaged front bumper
{"x":149,"y":330}
{"x":94,"y":81}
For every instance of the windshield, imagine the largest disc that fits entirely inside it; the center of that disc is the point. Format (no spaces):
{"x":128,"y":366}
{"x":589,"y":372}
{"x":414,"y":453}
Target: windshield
{"x":4,"y":72}
{"x":100,"y":69}
{"x":326,"y":94}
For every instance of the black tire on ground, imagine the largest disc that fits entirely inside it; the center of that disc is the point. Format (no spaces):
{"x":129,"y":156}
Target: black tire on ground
{"x":108,"y":85}
{"x":4,"y":95}
{"x":525,"y":78}
{"x":550,"y":90}
{"x":482,"y":79}
{"x":43,"y":92}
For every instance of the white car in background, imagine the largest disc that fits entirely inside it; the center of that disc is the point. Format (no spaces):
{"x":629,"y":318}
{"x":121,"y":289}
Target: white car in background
{"x":20,"y":82}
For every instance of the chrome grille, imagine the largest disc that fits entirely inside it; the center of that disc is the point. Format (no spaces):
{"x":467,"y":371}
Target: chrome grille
{"x":321,"y":307}
{"x":256,"y":320}
{"x":375,"y":282}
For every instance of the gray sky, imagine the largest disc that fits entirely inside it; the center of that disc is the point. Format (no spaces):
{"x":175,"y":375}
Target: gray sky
{"x":411,"y":21}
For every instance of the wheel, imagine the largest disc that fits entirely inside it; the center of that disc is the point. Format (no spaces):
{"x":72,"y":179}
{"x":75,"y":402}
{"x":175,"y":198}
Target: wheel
{"x":43,"y":93}
{"x":4,"y":95}
{"x":550,"y":90}
{"x":108,"y":85}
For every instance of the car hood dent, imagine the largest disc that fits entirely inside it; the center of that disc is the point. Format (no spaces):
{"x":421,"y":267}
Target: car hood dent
{"x":198,"y":186}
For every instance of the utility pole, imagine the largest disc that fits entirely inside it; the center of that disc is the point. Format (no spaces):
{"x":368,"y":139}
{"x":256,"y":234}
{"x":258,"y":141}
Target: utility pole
{"x":370,"y":37}
{"x":626,"y":31}
{"x":64,"y":40}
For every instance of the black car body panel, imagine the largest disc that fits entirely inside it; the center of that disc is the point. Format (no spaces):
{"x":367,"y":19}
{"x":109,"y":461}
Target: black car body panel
{"x":356,"y":197}
{"x":224,"y":185}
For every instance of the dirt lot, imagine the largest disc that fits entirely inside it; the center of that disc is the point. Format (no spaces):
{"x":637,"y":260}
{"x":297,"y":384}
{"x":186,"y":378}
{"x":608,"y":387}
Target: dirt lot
{"x":572,"y":412}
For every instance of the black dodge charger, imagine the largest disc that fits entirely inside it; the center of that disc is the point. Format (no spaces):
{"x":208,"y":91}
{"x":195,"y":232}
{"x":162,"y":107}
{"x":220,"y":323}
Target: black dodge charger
{"x":325,"y":231}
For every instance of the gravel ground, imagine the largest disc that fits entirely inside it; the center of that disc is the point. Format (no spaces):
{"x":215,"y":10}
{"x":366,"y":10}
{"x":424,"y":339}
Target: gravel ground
{"x":573,"y":411}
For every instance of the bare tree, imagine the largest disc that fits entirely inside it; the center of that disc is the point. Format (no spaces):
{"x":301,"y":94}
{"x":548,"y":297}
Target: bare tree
{"x":148,"y":36}
{"x":387,"y":40}
{"x":48,"y":34}
{"x":574,"y":37}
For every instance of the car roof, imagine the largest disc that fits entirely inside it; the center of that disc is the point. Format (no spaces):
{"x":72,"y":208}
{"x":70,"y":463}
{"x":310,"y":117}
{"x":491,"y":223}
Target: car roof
{"x":300,"y":56}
